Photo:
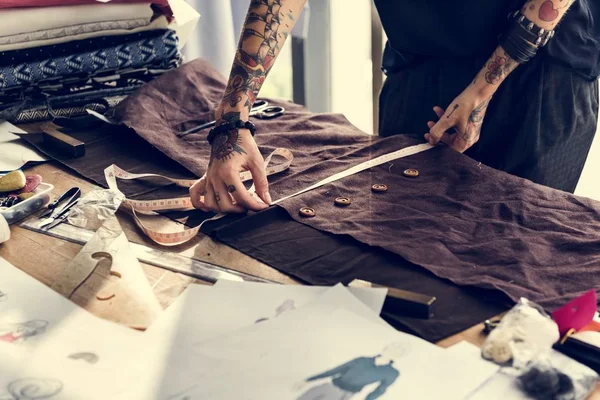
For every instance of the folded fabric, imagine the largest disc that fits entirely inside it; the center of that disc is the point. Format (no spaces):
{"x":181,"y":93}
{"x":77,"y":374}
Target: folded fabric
{"x":23,"y":20}
{"x":460,"y":220}
{"x":78,"y":32}
{"x":154,"y":49}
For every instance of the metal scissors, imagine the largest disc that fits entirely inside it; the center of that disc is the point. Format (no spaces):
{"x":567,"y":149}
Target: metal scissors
{"x":261,"y":110}
{"x":58,"y":211}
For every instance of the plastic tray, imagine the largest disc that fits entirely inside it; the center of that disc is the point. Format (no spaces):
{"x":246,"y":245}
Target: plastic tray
{"x":27,"y":207}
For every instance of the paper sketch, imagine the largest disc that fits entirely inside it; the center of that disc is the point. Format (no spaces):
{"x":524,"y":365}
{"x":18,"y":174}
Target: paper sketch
{"x":17,"y":333}
{"x":287,"y":305}
{"x":90,"y":358}
{"x":349,"y":379}
{"x":32,"y":389}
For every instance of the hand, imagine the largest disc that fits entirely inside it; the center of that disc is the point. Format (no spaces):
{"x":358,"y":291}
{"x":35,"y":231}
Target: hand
{"x":221,"y":189}
{"x":460,"y":125}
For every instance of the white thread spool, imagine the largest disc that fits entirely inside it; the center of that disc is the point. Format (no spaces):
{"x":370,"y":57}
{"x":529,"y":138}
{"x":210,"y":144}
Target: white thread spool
{"x":4,"y":230}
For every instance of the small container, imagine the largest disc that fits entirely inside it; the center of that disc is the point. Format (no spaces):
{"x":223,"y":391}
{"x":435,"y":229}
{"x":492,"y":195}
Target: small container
{"x":29,"y":206}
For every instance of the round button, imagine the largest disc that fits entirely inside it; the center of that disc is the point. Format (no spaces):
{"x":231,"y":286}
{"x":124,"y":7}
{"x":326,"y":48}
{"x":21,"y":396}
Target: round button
{"x":307,"y":212}
{"x":343,"y":201}
{"x":411,"y":173}
{"x":379,"y":188}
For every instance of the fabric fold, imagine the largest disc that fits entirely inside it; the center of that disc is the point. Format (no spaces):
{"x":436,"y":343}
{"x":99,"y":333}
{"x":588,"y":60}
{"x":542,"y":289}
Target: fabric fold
{"x":23,"y":20}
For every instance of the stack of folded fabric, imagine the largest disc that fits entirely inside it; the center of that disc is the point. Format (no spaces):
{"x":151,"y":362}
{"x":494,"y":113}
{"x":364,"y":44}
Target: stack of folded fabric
{"x":61,"y":57}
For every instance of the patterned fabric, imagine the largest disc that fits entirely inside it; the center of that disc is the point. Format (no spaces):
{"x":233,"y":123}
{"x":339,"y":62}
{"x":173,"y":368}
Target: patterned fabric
{"x":158,"y":50}
{"x":42,"y":113}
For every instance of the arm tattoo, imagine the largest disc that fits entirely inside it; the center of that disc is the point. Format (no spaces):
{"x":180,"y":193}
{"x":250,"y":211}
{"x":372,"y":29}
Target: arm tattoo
{"x":258,"y":48}
{"x":499,"y":67}
{"x":227,"y":143}
{"x":452,"y":112}
{"x":548,"y":12}
{"x":475,"y":122}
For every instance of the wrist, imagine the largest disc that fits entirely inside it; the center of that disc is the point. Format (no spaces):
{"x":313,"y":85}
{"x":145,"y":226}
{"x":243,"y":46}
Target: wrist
{"x":223,"y":110}
{"x":482,"y":90}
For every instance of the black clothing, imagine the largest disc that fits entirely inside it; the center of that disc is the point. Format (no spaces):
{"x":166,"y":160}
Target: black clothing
{"x":539,"y":125}
{"x":470,"y":28}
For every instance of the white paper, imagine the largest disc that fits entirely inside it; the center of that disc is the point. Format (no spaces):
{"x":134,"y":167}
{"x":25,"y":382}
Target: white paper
{"x":203,"y":312}
{"x":186,"y":20}
{"x":474,"y":365}
{"x":24,"y":375}
{"x":274,"y":360}
{"x":14,"y":152}
{"x":35,"y":318}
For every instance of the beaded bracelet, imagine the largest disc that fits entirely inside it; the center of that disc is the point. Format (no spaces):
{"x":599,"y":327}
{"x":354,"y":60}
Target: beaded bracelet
{"x":227,"y":126}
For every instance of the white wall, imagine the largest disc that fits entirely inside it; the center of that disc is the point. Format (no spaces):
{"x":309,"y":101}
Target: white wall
{"x":589,"y":184}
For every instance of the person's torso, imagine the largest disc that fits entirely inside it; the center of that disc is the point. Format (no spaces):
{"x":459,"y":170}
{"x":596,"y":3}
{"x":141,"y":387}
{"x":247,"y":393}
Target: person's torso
{"x":471,"y":28}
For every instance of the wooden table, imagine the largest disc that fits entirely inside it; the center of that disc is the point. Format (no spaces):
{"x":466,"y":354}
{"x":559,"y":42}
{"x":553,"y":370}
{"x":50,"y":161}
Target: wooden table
{"x":26,"y":249}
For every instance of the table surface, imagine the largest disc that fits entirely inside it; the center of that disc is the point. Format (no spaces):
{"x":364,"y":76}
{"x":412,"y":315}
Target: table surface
{"x":26,"y":248}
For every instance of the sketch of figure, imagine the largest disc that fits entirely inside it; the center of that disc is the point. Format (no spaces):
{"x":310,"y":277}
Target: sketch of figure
{"x":17,"y":333}
{"x":287,"y":305}
{"x":32,"y":389}
{"x":349,"y":379}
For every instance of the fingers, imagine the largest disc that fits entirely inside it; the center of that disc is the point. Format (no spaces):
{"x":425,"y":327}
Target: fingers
{"x":226,"y":202}
{"x":439,"y":111}
{"x":437,"y":131}
{"x":210,"y":199}
{"x":242,"y":197}
{"x":261,"y":184}
{"x":197,"y":193}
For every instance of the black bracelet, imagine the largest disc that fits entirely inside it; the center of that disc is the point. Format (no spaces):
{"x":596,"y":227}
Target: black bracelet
{"x":536,"y":35}
{"x":227,"y":126}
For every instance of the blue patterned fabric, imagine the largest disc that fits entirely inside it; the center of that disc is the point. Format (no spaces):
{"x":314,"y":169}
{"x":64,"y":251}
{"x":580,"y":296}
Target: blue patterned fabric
{"x":85,"y":59}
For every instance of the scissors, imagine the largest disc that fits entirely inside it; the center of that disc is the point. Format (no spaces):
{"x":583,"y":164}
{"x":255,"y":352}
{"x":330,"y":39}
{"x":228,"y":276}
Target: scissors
{"x":261,"y":110}
{"x":58,"y":211}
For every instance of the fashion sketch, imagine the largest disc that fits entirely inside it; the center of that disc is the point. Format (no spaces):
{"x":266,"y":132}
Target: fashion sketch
{"x":287,"y":305}
{"x":349,"y":379}
{"x":31,"y":389}
{"x":17,"y":333}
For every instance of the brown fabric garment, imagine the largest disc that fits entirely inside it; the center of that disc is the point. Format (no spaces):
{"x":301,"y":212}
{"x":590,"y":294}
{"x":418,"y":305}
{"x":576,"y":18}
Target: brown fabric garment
{"x":460,"y":220}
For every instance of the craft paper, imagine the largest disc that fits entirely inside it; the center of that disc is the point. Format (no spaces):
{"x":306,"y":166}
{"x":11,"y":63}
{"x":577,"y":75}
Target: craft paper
{"x":14,"y":152}
{"x":203,"y":312}
{"x":478,"y":368}
{"x":35,"y":318}
{"x":319,"y":353}
{"x":24,"y":375}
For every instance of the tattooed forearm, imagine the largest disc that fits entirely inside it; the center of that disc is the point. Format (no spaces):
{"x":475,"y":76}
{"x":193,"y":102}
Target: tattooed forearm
{"x":498,"y":67}
{"x":267,"y":26}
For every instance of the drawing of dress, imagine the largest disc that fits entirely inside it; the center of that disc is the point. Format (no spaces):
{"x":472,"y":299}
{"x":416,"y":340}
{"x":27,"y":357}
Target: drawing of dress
{"x":15,"y":333}
{"x":351,"y":378}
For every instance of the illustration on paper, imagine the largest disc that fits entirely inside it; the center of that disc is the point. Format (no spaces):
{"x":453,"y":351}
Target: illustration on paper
{"x":90,"y":358}
{"x":349,"y":379}
{"x":17,"y":333}
{"x":31,"y":389}
{"x":287,"y":305}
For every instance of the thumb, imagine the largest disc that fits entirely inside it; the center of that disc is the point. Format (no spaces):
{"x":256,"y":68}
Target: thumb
{"x":261,"y":184}
{"x":437,"y":132}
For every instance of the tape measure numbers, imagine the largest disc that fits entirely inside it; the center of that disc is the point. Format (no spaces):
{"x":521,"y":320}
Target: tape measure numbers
{"x":149,"y":207}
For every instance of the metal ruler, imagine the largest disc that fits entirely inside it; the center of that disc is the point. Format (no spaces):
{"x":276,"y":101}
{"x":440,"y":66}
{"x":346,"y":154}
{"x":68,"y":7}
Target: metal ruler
{"x":167,"y":260}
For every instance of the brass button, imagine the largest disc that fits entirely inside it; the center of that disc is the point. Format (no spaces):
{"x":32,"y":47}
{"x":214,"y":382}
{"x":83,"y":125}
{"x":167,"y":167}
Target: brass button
{"x":342,"y":201}
{"x":379,"y":187}
{"x":307,"y":212}
{"x":411,"y":173}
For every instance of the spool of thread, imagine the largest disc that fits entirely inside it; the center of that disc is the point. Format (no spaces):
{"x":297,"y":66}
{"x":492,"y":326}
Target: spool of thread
{"x":4,"y":230}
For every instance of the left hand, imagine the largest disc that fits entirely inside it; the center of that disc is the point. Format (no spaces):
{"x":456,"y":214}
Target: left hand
{"x":465,"y":115}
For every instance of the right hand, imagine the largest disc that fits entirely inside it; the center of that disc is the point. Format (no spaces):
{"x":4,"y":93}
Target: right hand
{"x":222,"y":190}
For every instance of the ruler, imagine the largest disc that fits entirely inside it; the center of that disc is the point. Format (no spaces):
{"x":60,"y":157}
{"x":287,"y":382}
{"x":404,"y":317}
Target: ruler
{"x":166,"y":260}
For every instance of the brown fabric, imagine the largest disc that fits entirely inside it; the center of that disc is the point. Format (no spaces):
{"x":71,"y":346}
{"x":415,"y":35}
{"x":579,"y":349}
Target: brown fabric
{"x":460,"y":220}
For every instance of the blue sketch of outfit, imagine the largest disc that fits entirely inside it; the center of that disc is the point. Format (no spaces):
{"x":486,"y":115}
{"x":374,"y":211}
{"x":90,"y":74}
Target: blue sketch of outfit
{"x":352,"y":377}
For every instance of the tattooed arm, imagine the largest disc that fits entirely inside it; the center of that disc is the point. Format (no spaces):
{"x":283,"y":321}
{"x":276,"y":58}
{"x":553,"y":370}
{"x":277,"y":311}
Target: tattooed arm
{"x":465,"y":114}
{"x":268,"y":24}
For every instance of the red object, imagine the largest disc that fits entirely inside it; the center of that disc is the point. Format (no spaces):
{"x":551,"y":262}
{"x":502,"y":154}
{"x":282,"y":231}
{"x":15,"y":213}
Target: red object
{"x":163,"y":5}
{"x":577,"y":313}
{"x":8,"y":338}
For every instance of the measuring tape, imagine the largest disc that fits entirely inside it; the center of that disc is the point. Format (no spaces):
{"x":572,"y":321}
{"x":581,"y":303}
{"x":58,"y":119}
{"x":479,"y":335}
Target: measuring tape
{"x":149,"y":207}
